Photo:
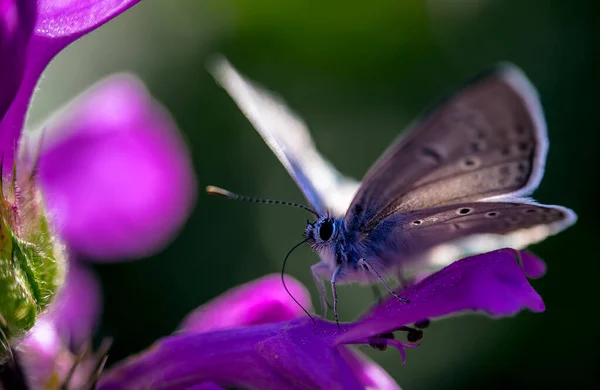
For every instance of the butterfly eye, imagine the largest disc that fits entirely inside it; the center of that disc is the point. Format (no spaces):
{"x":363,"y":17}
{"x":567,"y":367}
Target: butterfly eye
{"x":326,"y":230}
{"x":471,"y":163}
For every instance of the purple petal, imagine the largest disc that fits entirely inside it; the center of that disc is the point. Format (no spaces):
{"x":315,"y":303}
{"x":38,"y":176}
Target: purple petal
{"x":287,"y":355}
{"x":261,"y":301}
{"x":533,"y":266}
{"x":76,"y":311}
{"x":67,"y":20}
{"x":116,"y":173}
{"x":305,"y":354}
{"x":370,"y":374}
{"x":226,"y":357}
{"x":492,"y":282}
{"x":299,"y":354}
{"x":59,"y":23}
{"x":17,"y":19}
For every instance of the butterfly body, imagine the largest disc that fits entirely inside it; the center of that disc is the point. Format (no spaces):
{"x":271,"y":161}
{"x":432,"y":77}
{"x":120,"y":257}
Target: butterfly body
{"x":456,"y":183}
{"x":343,"y":248}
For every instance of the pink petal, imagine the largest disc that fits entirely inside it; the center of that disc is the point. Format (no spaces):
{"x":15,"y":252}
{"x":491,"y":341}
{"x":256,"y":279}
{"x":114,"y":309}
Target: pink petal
{"x":115,"y":172}
{"x":261,"y":301}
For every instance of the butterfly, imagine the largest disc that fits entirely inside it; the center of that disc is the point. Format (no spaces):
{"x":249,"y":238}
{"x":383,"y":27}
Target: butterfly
{"x":454,"y":184}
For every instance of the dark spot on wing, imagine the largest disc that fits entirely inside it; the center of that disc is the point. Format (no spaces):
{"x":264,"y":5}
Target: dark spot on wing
{"x":476,"y":147}
{"x":471,"y":162}
{"x":358,"y":209}
{"x":465,"y":211}
{"x":524,"y":146}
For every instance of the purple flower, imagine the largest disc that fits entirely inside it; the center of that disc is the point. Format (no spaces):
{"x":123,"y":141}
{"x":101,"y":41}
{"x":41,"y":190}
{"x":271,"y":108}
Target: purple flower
{"x":113,"y":147}
{"x":118,"y":184}
{"x":115,"y":174}
{"x":32,"y":32}
{"x":211,"y":350}
{"x":57,"y":343}
{"x":112,"y":175}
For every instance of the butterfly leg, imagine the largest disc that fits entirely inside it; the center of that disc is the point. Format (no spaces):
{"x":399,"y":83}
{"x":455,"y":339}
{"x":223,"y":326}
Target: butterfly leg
{"x":317,"y":270}
{"x":405,"y":281}
{"x":363,"y":263}
{"x":334,"y":278}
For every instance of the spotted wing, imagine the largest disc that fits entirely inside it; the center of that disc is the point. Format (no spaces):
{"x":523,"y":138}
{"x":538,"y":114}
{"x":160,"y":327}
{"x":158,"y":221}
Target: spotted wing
{"x":404,"y":235}
{"x":487,"y":140}
{"x":287,"y":135}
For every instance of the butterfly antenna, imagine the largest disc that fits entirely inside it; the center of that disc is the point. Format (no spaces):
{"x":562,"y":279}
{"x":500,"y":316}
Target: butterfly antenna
{"x":285,"y":286}
{"x":212,"y":190}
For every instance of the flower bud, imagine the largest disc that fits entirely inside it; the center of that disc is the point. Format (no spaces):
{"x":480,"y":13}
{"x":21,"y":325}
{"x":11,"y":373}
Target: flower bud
{"x":32,"y":263}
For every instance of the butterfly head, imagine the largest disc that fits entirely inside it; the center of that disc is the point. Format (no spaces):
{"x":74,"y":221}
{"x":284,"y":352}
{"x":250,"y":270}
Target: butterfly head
{"x":322,"y":232}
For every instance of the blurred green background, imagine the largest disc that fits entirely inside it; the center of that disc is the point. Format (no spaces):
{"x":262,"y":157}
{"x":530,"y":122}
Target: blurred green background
{"x":358,"y":73}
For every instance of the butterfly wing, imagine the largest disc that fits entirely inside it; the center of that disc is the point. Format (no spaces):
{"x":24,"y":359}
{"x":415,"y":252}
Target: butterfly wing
{"x":487,"y":140}
{"x":415,"y":232}
{"x":287,"y":135}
